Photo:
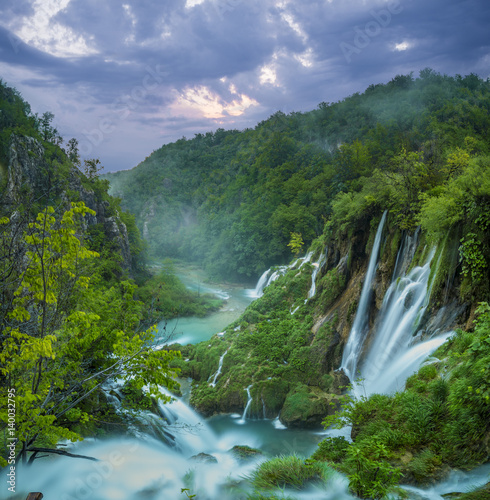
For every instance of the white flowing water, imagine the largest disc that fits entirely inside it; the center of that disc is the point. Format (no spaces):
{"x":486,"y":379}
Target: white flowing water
{"x":355,"y":343}
{"x":458,"y":481}
{"x":393,"y":377}
{"x":143,"y":467}
{"x":403,"y":307}
{"x":247,"y":406}
{"x":316,"y":268}
{"x":275,"y":272}
{"x":218,"y":372}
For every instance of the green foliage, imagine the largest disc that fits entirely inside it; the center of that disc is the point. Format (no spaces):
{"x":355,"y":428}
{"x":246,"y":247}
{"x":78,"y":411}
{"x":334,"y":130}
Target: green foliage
{"x":285,"y":471}
{"x":369,"y":475}
{"x":331,"y":449}
{"x":424,"y":465}
{"x":330,"y":287}
{"x":296,"y":243}
{"x":63,"y":335}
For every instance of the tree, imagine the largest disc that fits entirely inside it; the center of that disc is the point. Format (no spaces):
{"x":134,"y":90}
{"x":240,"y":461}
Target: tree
{"x":63,"y":336}
{"x":48,"y":132}
{"x":72,"y":151}
{"x":296,"y":243}
{"x":92,"y":168}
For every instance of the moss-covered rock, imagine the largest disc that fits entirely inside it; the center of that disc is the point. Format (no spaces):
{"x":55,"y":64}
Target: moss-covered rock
{"x":245,"y":453}
{"x":307,"y":406}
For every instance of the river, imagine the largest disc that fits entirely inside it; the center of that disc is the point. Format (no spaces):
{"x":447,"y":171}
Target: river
{"x":192,"y":330}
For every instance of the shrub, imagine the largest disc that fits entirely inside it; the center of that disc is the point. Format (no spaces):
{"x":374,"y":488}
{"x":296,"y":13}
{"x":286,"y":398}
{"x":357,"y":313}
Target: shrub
{"x":369,"y":475}
{"x":331,"y":449}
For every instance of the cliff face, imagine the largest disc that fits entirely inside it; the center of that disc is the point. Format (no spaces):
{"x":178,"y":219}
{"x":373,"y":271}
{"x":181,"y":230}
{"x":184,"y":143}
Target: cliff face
{"x":30,"y":179}
{"x":400,"y":252}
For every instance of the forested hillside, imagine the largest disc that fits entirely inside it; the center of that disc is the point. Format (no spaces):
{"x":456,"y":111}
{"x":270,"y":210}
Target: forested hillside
{"x":231,"y":199}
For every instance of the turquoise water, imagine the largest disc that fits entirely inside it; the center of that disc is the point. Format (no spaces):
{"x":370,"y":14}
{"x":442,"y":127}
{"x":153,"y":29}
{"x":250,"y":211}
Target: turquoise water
{"x":192,"y":330}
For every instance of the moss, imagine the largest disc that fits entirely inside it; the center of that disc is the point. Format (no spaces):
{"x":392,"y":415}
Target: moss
{"x":424,"y":465}
{"x":390,"y":250}
{"x":306,"y":406}
{"x":245,"y":453}
{"x":273,"y":392}
{"x":330,"y":287}
{"x":482,"y":493}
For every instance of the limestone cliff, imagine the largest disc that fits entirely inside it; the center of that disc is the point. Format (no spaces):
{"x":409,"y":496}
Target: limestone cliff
{"x":31,"y":179}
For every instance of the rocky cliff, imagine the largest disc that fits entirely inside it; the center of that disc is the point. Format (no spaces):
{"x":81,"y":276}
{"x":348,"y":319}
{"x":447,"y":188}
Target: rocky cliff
{"x":33,"y":180}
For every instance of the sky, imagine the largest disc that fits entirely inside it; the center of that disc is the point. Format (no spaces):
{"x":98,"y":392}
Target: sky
{"x":125,"y":77}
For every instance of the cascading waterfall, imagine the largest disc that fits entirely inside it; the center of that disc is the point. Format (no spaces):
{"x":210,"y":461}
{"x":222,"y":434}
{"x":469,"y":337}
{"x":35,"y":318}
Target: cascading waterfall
{"x":395,"y":351}
{"x":271,"y":275}
{"x":189,"y":431}
{"x":403,"y":307}
{"x":353,"y":348}
{"x":316,"y":268}
{"x":261,"y":284}
{"x":249,"y":402}
{"x":218,"y":372}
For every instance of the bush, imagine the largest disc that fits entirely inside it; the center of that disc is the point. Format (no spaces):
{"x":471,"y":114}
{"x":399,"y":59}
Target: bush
{"x":369,"y":475}
{"x":331,"y":449}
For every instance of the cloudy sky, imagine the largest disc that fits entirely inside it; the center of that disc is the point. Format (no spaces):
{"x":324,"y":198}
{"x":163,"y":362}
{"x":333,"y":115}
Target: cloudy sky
{"x":126,"y":76}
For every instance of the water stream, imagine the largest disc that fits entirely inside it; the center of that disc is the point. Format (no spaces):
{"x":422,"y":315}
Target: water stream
{"x":192,"y":330}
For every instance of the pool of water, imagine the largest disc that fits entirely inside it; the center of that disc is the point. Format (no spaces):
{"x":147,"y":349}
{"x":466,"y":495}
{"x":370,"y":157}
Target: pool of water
{"x":192,"y":330}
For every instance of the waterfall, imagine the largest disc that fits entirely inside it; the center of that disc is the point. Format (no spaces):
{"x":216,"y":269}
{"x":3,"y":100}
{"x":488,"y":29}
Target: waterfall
{"x":249,"y":402}
{"x":396,"y":351}
{"x":261,"y":284}
{"x":189,"y":431}
{"x":403,"y":306}
{"x":218,"y":373}
{"x":400,"y":368}
{"x":271,"y":275}
{"x":354,"y":346}
{"x":316,"y":268}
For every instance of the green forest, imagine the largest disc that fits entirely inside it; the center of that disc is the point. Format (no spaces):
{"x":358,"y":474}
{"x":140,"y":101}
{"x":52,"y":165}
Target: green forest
{"x":231,"y":199}
{"x":86,"y":266}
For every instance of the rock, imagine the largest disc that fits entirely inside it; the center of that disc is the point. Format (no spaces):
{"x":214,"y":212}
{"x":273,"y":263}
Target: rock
{"x":341,"y":381}
{"x":245,"y":453}
{"x":204,"y":458}
{"x":29,"y":173}
{"x":306,"y":407}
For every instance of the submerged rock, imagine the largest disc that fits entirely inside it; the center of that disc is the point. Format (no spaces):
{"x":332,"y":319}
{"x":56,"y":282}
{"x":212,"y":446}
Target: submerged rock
{"x":205,"y":458}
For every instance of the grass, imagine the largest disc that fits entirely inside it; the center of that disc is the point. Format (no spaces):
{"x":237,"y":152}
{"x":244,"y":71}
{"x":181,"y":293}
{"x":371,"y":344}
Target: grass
{"x":290,"y":471}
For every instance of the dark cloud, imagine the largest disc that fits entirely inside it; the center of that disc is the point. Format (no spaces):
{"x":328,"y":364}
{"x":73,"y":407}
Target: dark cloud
{"x":143,"y":54}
